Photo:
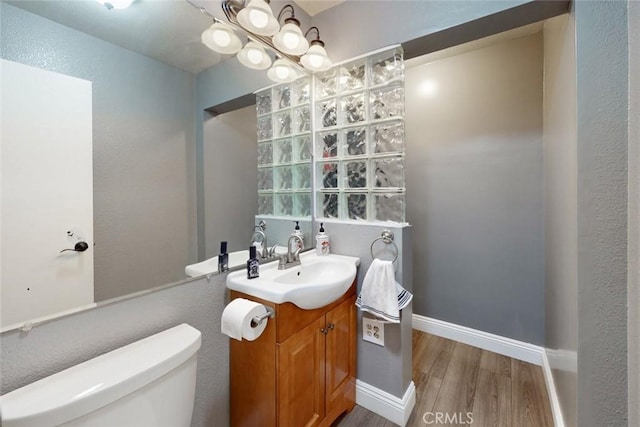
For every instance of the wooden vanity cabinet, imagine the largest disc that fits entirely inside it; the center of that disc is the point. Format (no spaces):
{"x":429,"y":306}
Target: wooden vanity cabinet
{"x":300,"y":371}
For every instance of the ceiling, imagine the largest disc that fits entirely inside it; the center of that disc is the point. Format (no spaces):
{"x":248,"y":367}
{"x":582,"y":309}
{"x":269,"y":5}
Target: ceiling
{"x":166,"y":30}
{"x":313,"y":7}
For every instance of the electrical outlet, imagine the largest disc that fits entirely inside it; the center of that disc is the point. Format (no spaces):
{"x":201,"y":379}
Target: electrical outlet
{"x":373,"y":331}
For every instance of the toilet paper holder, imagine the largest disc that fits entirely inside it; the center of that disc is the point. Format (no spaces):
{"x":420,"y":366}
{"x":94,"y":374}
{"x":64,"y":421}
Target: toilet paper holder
{"x":257,"y":320}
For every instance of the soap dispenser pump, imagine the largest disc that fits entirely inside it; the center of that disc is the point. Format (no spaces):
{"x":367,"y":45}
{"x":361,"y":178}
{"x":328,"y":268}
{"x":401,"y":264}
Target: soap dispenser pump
{"x":322,"y":241}
{"x":295,"y":245}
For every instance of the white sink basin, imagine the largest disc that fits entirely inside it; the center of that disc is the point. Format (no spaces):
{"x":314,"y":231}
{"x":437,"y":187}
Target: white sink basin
{"x":211,"y":265}
{"x":316,"y":282}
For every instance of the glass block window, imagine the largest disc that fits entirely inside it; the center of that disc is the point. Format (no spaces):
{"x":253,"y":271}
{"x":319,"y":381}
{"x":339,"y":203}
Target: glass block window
{"x":359,"y":139}
{"x":284,"y":149}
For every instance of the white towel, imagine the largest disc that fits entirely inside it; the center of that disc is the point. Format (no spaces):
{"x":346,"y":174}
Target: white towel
{"x":381,"y":295}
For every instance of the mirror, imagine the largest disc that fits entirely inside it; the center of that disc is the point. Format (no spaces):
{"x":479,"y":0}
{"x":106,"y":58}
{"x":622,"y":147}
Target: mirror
{"x":141,"y":66}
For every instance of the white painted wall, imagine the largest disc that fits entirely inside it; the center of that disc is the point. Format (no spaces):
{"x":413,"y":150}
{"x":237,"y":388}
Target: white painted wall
{"x":561,"y":203}
{"x":47,"y":190}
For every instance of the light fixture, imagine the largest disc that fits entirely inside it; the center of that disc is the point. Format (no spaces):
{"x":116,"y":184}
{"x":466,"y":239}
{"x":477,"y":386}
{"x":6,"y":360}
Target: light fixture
{"x":221,"y":38}
{"x":290,"y":38}
{"x":256,"y":21}
{"x":316,"y":58}
{"x":115,"y":4}
{"x":253,"y":56}
{"x":282,"y":72}
{"x":258,"y":18}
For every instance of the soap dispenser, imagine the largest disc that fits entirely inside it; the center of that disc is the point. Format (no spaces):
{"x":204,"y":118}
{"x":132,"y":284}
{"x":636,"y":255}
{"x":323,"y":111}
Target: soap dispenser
{"x":295,"y":245}
{"x":223,"y":258}
{"x":322,"y":241}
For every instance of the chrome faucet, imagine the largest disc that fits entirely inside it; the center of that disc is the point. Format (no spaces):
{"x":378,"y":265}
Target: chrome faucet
{"x":291,"y":259}
{"x":257,"y":231}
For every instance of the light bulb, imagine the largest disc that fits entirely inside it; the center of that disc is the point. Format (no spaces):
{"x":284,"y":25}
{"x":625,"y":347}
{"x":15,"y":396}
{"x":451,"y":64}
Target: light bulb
{"x":254,"y":56}
{"x":315,"y":60}
{"x":116,"y":4}
{"x":290,"y":40}
{"x":258,"y":18}
{"x":282,"y":72}
{"x":221,"y":38}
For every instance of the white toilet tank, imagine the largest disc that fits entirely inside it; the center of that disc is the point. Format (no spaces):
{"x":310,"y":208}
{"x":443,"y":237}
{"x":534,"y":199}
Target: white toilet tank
{"x":150,"y":383}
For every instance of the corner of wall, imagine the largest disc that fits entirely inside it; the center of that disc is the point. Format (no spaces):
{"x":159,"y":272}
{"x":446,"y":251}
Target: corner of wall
{"x":633,"y":280}
{"x":384,"y":368}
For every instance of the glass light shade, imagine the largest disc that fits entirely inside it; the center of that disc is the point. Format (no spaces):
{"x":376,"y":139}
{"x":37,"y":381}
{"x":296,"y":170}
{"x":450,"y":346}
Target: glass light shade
{"x":254,"y":56}
{"x":221,"y":39}
{"x":282,"y":72}
{"x":291,"y":40}
{"x":115,"y":4}
{"x":258,"y":18}
{"x":316,"y":59}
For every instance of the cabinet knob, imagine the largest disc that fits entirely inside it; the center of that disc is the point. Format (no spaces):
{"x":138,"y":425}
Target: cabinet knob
{"x":331,"y":326}
{"x":324,"y":331}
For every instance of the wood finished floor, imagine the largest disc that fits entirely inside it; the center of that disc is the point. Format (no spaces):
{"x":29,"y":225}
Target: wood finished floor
{"x":452,"y":377}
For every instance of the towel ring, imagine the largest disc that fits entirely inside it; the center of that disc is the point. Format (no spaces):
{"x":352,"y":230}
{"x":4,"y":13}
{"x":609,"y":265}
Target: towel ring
{"x":387,"y":238}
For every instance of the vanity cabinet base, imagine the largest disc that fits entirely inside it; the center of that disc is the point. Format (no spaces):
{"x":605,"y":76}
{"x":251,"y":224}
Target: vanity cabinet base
{"x":301,"y":371}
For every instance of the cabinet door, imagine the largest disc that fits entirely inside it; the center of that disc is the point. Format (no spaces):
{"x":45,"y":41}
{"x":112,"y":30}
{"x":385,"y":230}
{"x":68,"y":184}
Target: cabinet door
{"x":301,"y":364}
{"x":340,"y":353}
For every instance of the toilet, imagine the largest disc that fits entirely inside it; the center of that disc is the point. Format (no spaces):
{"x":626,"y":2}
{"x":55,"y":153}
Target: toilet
{"x":149,"y":383}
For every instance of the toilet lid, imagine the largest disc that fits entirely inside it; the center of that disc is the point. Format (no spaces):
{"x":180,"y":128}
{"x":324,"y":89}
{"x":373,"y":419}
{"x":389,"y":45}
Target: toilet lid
{"x":95,"y":383}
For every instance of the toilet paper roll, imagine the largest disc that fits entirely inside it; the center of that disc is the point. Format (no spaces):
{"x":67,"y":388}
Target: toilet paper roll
{"x":237,"y":316}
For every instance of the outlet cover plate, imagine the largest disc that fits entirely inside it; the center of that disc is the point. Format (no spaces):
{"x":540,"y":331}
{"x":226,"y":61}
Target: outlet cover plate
{"x":373,"y":331}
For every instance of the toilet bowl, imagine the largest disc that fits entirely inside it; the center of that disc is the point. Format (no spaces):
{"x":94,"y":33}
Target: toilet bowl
{"x":149,"y":383}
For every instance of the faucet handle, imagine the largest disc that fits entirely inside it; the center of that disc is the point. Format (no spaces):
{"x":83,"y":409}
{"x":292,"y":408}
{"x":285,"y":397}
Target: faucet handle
{"x":282,"y":260}
{"x":271,"y":251}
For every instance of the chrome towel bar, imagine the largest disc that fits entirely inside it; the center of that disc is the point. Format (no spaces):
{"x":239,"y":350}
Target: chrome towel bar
{"x":387,"y":238}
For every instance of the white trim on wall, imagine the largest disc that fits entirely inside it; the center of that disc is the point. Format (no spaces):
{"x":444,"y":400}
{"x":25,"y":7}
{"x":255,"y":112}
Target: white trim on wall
{"x":498,"y":344}
{"x":395,"y":409}
{"x":556,"y":410}
{"x":515,"y":349}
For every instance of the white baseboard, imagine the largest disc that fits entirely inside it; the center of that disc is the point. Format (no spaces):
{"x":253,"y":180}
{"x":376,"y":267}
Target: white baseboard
{"x":515,"y":349}
{"x":502,"y":345}
{"x":556,"y":410}
{"x":562,"y":360}
{"x":386,"y":405}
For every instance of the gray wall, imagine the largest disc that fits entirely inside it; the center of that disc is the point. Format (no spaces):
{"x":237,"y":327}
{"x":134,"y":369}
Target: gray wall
{"x":349,"y":33}
{"x":54,"y":346}
{"x":634,"y":214}
{"x":599,"y":393}
{"x":143,"y":150}
{"x":390,"y":22}
{"x":388,"y":368}
{"x":474,"y":188}
{"x":230,"y":180}
{"x":560,"y":203}
{"x":602,"y":115}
